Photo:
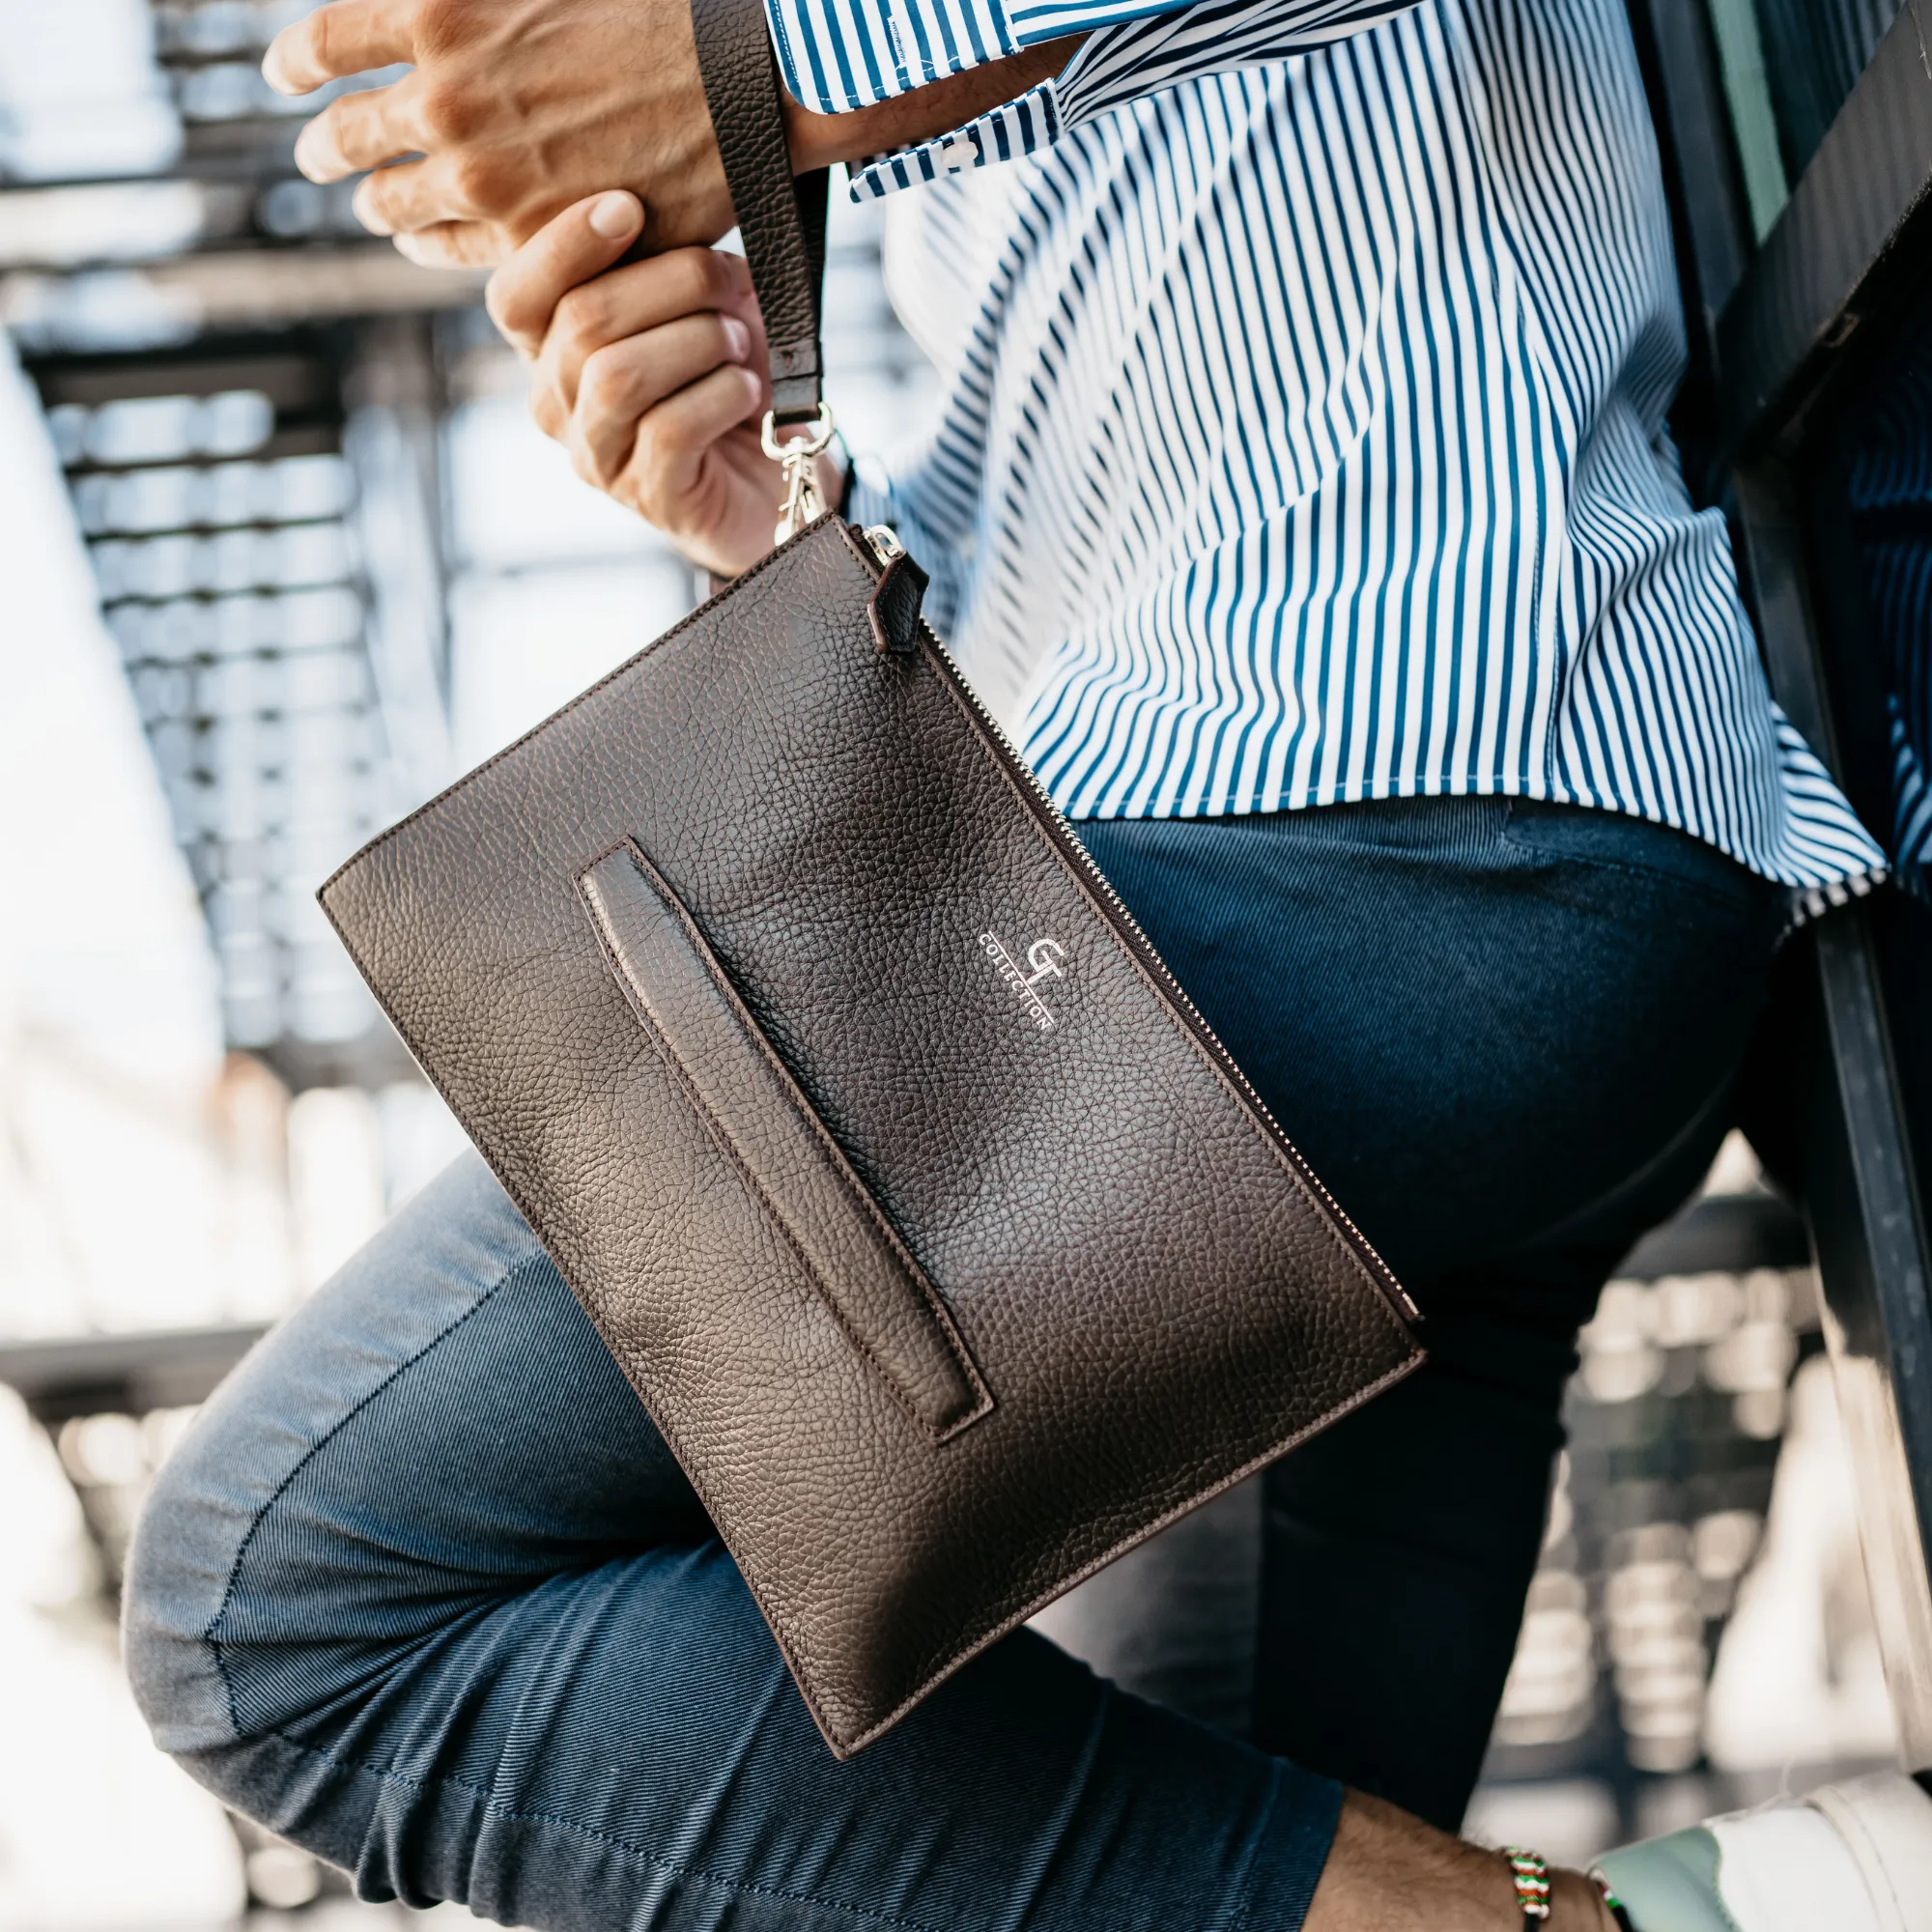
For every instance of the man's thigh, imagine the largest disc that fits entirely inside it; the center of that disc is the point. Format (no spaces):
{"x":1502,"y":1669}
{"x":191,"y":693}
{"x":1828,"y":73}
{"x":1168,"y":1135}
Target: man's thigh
{"x":423,"y":1591}
{"x":1505,"y":1036}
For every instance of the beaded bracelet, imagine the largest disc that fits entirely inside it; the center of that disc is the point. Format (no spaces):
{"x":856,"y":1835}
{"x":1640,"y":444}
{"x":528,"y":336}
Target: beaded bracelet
{"x":1612,"y":1903}
{"x":1530,"y":1874}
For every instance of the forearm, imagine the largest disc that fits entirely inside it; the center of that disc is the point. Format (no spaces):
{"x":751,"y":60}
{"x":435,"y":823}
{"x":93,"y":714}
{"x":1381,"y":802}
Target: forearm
{"x":924,"y":112}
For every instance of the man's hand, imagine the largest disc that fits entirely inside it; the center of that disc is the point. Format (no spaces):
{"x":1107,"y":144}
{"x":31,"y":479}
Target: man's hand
{"x":652,"y":376}
{"x":520,"y":108}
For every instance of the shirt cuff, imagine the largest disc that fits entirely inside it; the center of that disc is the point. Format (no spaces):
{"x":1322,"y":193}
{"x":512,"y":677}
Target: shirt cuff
{"x":838,"y":55}
{"x":1018,"y":128}
{"x":1124,"y":60}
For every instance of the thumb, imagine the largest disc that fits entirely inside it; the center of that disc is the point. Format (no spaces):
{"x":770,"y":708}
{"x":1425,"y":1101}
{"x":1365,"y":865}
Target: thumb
{"x":568,"y":249}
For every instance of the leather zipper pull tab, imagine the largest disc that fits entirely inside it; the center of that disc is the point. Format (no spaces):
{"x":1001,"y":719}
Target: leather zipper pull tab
{"x":895,"y":604}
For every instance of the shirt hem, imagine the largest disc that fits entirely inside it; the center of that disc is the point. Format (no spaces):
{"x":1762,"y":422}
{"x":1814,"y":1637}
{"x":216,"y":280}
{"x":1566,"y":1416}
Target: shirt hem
{"x":1814,"y":890}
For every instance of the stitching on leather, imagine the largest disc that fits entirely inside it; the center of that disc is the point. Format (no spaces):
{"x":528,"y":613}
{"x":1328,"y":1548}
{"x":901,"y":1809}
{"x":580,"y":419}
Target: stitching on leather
{"x":1009,"y":1619}
{"x":854,"y":1187}
{"x":308,"y":1455}
{"x":782,"y":1635}
{"x":1358,"y":1247}
{"x":956,"y":1343}
{"x":521,"y":1814}
{"x":1315,"y":1195}
{"x":721,"y":1137}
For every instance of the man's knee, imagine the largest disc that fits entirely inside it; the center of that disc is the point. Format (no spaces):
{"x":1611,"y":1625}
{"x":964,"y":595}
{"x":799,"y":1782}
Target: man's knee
{"x":202,"y":1684}
{"x":184,"y":1554}
{"x":180,"y":1570}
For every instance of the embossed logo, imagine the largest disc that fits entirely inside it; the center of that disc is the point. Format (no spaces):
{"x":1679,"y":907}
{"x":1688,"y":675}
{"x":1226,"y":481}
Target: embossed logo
{"x":1043,"y":956}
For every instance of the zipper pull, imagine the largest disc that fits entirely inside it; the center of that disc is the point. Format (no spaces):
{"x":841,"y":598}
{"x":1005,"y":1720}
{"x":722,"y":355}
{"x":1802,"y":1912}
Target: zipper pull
{"x":902,"y":588}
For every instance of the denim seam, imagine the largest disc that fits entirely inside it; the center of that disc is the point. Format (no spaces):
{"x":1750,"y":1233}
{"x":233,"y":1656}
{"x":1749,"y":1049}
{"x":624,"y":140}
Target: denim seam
{"x":1714,"y":893}
{"x":511,"y":1814}
{"x":308,"y":1455}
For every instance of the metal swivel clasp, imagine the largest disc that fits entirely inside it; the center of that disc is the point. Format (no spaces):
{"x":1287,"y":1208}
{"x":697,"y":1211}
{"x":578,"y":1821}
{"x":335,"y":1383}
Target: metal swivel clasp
{"x":803,"y":503}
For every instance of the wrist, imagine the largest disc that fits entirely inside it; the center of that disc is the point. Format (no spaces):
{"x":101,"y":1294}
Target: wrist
{"x":1576,"y":1905}
{"x":925,"y":113}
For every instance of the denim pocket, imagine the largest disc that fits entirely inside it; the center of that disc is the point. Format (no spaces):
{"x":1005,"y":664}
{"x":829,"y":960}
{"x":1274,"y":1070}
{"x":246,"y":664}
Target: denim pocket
{"x":1615,"y":841}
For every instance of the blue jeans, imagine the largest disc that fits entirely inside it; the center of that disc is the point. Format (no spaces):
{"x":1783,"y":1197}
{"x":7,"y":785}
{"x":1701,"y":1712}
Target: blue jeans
{"x":423,"y":1590}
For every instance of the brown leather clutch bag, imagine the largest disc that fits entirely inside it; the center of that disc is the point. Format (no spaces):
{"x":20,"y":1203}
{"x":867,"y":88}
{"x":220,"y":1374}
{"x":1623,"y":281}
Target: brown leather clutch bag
{"x":948,"y":1248}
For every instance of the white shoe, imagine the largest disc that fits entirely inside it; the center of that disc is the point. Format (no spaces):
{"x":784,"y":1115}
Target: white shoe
{"x":1847,"y":1857}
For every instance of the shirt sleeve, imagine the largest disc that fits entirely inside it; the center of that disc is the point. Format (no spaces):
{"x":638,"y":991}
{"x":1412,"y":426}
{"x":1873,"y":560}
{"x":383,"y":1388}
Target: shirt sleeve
{"x":838,"y":55}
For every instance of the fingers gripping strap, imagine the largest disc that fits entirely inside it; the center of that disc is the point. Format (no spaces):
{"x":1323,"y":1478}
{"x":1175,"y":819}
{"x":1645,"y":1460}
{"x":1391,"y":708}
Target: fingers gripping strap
{"x":782,"y":219}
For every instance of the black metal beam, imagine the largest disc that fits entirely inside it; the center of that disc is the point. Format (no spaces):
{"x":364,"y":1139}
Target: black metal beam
{"x":1838,"y":250}
{"x":130,"y":1374}
{"x":1860,"y":1196}
{"x":1873,"y":1268}
{"x":1680,"y":64}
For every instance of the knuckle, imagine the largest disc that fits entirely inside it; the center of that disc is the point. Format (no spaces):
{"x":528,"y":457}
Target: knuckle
{"x":713,"y":282}
{"x":686,"y":284}
{"x":320,"y":144}
{"x":647,"y":488}
{"x":581,"y":458}
{"x":326,"y":40}
{"x":597,"y":469}
{"x":317,"y":39}
{"x":468,"y":244}
{"x":546,"y":412}
{"x":450,"y":111}
{"x":481,"y":182}
{"x":583,"y":317}
{"x":344,"y":127}
{"x":472,"y":176}
{"x":376,"y":194}
{"x":602,"y":388}
{"x":649,"y":456}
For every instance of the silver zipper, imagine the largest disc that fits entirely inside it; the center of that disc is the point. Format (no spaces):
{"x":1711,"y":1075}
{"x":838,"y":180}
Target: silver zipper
{"x":886,"y":546}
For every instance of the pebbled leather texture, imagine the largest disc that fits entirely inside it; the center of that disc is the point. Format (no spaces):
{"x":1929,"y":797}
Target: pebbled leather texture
{"x":781,"y":221}
{"x":806,"y":844}
{"x":766,"y":1128}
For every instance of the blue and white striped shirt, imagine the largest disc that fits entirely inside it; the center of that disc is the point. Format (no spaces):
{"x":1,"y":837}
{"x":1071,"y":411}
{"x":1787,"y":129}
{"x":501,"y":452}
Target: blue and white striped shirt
{"x":1303,"y":425}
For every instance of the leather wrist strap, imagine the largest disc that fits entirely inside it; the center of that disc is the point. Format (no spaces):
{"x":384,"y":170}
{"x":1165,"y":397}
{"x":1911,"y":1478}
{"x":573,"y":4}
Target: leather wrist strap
{"x":780,"y":218}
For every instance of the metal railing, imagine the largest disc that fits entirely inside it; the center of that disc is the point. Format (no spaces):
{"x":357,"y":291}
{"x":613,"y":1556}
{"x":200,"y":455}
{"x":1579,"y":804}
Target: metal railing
{"x":1790,"y":337}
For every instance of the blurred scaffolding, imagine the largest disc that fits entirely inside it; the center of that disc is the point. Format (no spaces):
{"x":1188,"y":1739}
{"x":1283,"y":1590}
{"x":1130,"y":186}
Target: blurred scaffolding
{"x":283,"y":555}
{"x":337,"y":563}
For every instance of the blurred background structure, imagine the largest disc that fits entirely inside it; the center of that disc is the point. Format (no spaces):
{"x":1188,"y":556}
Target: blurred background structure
{"x":282,"y":554}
